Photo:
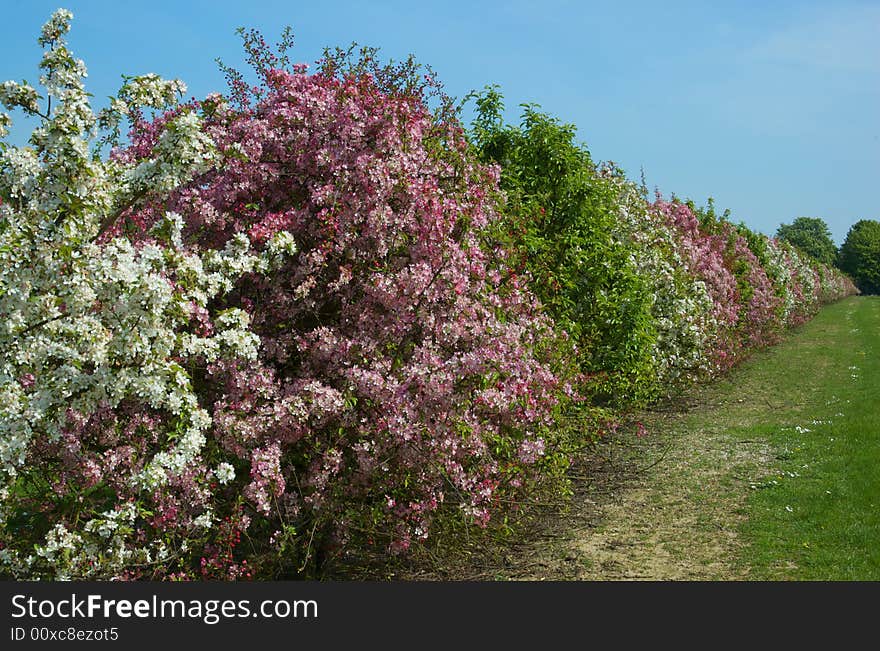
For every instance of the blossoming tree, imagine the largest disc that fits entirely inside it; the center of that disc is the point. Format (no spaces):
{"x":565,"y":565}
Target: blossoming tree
{"x":102,"y":433}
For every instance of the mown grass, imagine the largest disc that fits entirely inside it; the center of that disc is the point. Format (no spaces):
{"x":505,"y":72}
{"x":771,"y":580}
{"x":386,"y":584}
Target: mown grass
{"x":816,"y":516}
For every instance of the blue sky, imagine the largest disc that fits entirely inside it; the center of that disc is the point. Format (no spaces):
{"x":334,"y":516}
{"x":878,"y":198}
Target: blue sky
{"x":772,"y":108}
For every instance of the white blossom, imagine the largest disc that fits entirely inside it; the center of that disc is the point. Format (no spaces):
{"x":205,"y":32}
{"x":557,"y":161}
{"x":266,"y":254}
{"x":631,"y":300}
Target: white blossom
{"x":224,"y":473}
{"x":86,"y":322}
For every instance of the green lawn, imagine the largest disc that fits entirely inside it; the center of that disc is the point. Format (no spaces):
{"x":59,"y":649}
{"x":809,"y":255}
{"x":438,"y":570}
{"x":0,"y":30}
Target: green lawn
{"x":816,"y":517}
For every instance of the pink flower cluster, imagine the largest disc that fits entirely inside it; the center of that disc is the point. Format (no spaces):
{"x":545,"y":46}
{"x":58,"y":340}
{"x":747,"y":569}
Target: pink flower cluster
{"x":390,"y":365}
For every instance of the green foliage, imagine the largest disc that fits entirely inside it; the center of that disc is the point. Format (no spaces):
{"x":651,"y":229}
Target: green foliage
{"x":810,"y":235}
{"x":757,"y":243}
{"x":860,"y":255}
{"x":561,"y":215}
{"x":709,"y":218}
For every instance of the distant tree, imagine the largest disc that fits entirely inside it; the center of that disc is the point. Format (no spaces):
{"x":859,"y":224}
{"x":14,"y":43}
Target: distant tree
{"x":860,"y":255}
{"x":810,"y":235}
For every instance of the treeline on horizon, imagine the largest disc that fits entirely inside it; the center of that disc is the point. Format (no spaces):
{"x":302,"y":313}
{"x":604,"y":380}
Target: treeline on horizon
{"x":318,"y":317}
{"x":858,"y":256}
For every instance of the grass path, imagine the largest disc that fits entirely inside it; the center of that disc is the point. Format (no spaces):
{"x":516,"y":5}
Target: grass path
{"x":820,"y":519}
{"x":771,"y":473}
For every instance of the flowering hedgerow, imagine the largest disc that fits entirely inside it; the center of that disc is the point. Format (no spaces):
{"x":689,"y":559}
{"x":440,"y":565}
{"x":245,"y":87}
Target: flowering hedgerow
{"x":758,"y":286}
{"x":273,"y":320}
{"x":655,"y":295}
{"x":681,"y":309}
{"x":306,"y":317}
{"x":703,"y":253}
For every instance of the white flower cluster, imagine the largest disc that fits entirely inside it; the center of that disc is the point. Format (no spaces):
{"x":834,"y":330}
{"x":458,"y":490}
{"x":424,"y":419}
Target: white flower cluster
{"x":84,"y":323}
{"x":55,"y":28}
{"x":787,"y":262}
{"x":777,"y":269}
{"x":182,"y":151}
{"x":100,"y":548}
{"x":224,"y":473}
{"x":143,"y":91}
{"x":24,"y":96}
{"x":151,"y":90}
